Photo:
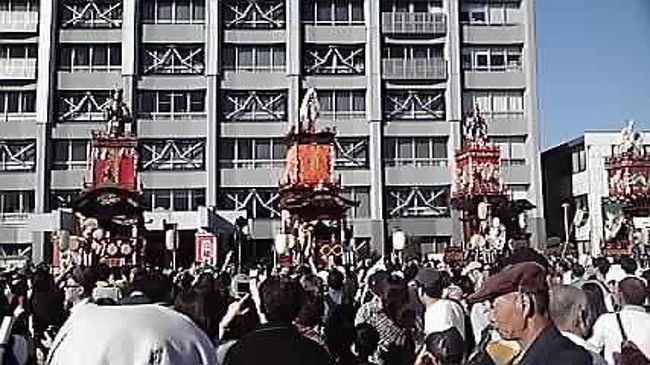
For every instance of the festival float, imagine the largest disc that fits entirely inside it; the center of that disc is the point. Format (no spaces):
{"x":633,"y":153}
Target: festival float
{"x":110,"y":209}
{"x":314,"y":221}
{"x":490,"y":218}
{"x":628,"y":176}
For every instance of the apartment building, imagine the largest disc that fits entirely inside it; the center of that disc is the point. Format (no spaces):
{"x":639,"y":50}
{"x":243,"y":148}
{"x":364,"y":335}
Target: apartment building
{"x":213,"y":84}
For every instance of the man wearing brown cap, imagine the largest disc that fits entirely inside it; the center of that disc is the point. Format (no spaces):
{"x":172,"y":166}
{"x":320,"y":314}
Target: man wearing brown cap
{"x":519,"y":301}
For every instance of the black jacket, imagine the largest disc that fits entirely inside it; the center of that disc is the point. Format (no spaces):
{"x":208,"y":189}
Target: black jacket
{"x":276,"y":344}
{"x":551,"y":348}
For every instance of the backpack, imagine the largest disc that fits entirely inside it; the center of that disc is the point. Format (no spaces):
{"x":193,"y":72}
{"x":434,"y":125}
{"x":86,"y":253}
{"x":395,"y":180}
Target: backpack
{"x":630,"y":353}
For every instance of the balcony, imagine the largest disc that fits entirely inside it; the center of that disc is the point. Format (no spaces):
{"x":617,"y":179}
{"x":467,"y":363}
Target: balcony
{"x":414,"y":23}
{"x":18,"y":21}
{"x":18,"y":69}
{"x":414,"y":69}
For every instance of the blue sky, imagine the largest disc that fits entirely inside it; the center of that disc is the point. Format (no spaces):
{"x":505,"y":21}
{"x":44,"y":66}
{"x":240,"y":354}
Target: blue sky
{"x":593,"y":66}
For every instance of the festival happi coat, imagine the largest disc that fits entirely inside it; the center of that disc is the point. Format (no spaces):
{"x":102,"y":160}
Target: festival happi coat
{"x":628,"y":173}
{"x":314,"y":212}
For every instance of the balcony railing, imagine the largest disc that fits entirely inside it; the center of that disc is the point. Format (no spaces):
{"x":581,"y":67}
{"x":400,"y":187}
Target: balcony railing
{"x":414,"y":23}
{"x":171,"y":116}
{"x":415,"y":68}
{"x":18,"y":21}
{"x":416,"y":162}
{"x":17,"y":68}
{"x":17,"y":117}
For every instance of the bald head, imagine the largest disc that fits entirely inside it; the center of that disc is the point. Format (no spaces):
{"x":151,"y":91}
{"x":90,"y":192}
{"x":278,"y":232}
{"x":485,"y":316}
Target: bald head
{"x":633,"y":291}
{"x":567,"y":307}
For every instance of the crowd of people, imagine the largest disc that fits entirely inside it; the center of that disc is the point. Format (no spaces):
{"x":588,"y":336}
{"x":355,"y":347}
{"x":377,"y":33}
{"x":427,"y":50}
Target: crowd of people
{"x":524,"y":309}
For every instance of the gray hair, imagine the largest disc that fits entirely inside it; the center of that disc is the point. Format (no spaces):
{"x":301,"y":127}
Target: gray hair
{"x":567,"y":303}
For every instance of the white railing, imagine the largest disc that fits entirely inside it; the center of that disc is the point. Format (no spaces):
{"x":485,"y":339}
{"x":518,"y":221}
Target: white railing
{"x":17,"y":117}
{"x":414,"y":23}
{"x":251,"y":164}
{"x":416,"y":162}
{"x":17,"y":68}
{"x":167,"y":116}
{"x":415,"y":68}
{"x":18,"y":21}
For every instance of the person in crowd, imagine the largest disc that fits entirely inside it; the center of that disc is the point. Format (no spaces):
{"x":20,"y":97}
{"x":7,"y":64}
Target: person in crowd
{"x":277,"y":342}
{"x":578,"y":274}
{"x":334,"y":295}
{"x":602,"y":265}
{"x":629,"y":265}
{"x":309,"y":317}
{"x":131,"y":334}
{"x":394,"y":318}
{"x":240,"y":319}
{"x":47,"y":307}
{"x":569,"y":310}
{"x":440,"y":314}
{"x":607,"y":333}
{"x":597,"y":296}
{"x":366,"y":339}
{"x":138,"y":282}
{"x":519,"y":299}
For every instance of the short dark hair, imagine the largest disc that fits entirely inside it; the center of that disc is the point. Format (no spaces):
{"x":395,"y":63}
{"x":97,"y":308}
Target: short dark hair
{"x":281,"y":298}
{"x":602,"y":265}
{"x":366,"y":339}
{"x":628,"y":265}
{"x":633,"y":290}
{"x":335,"y":279}
{"x":578,"y":271}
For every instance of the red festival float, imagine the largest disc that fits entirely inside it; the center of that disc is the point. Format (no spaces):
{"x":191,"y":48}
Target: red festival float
{"x":111,"y":206}
{"x":314,"y":212}
{"x":628,"y":173}
{"x":490,"y":218}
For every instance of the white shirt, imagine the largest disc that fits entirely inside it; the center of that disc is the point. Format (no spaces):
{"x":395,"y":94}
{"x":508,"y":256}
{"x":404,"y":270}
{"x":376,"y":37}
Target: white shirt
{"x":131,"y":334}
{"x":595,"y":357}
{"x":607,"y":335}
{"x":443,"y":315}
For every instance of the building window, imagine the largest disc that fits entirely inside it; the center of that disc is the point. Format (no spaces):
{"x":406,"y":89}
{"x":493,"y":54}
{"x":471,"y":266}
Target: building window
{"x":342,"y":104}
{"x":174,"y":105}
{"x":494,"y":13}
{"x":492,"y":59}
{"x":71,"y":154}
{"x":17,"y":155}
{"x":254,"y":106}
{"x":332,"y":59}
{"x":91,"y":58}
{"x":415,"y":104}
{"x":578,"y":159}
{"x":181,"y":200}
{"x":518,"y":191}
{"x":413,"y":52}
{"x":415,"y":151}
{"x":333,"y":12}
{"x":418,"y":201}
{"x":91,"y":14}
{"x":360,"y":194}
{"x":513,"y":149}
{"x":83,"y":106}
{"x":351,"y":153}
{"x":495,"y":104}
{"x":173,"y":59}
{"x":19,"y":5}
{"x":244,"y":58}
{"x":16,"y":201}
{"x":62,"y":198}
{"x":173,"y":11}
{"x":256,"y":202}
{"x":242,"y":14}
{"x":172,"y":154}
{"x":16,"y":102}
{"x":431,"y":244}
{"x":17,"y":51}
{"x":251,"y":153}
{"x":412,"y":6}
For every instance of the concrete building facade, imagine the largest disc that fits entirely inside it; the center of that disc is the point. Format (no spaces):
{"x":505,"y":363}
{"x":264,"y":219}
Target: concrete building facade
{"x":213,"y":83}
{"x":574,"y":173}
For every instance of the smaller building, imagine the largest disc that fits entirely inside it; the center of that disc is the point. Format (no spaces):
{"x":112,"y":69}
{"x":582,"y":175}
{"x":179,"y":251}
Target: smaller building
{"x":574,"y":173}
